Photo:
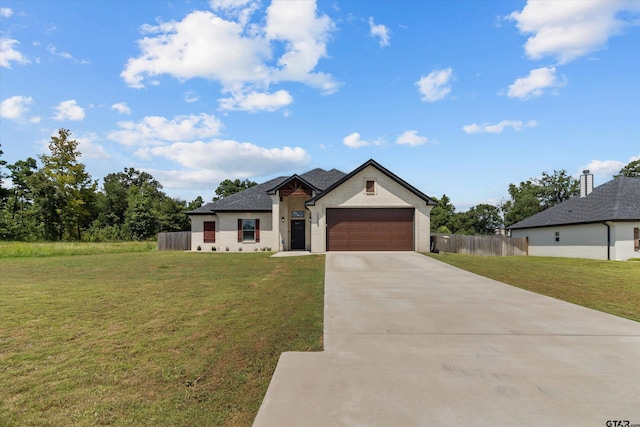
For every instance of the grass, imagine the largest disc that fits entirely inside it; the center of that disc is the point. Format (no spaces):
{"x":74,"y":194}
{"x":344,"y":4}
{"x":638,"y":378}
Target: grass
{"x":609,"y":286}
{"x":150,"y":338}
{"x":48,"y":249}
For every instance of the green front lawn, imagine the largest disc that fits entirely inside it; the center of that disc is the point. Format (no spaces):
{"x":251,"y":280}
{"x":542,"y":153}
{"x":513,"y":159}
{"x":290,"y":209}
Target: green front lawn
{"x":609,"y":286}
{"x":150,"y":338}
{"x":48,"y":249}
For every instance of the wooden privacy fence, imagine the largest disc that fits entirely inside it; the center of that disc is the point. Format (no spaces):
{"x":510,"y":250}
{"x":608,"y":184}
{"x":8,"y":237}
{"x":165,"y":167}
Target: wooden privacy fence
{"x":176,"y":241}
{"x":480,"y":245}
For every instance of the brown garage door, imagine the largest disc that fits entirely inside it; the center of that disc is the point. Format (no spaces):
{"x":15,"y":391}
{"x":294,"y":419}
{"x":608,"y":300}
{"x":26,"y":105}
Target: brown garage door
{"x":370,"y":229}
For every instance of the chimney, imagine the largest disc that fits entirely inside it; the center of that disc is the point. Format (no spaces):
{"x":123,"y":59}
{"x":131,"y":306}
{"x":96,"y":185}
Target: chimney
{"x":586,"y":183}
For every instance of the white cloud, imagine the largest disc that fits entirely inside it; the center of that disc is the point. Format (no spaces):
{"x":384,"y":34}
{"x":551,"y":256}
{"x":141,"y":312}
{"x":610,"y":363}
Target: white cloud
{"x":255,"y":101}
{"x":305,"y":36}
{"x":232,"y":157}
{"x":8,"y":54}
{"x":202,"y":181}
{"x":379,"y":31}
{"x":605,"y":169}
{"x":435,"y":86}
{"x":6,"y":12}
{"x":353,"y":141}
{"x":155,"y":130}
{"x":122,"y":108}
{"x":240,"y":10}
{"x":15,"y":107}
{"x":238,"y":54}
{"x":69,"y":110}
{"x":568,"y":30}
{"x":516,"y":125}
{"x":230,"y":5}
{"x":66,"y":55}
{"x":52,"y":50}
{"x":190,"y":97}
{"x":535,"y":83}
{"x":89,"y":149}
{"x":411,"y":138}
{"x":87,"y":146}
{"x":201,"y":45}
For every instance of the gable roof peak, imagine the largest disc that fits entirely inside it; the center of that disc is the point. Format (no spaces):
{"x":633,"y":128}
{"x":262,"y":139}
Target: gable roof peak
{"x":371,"y":162}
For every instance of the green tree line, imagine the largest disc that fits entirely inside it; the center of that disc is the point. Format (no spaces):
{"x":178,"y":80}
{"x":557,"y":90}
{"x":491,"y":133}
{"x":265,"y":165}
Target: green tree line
{"x":56,"y":199}
{"x":525,"y":199}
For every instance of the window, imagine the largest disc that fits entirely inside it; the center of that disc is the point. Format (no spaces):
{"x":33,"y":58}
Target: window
{"x":248,"y":230}
{"x":636,"y":239}
{"x":297,"y":214}
{"x":209,"y":232}
{"x":557,"y":236}
{"x":370,"y":187}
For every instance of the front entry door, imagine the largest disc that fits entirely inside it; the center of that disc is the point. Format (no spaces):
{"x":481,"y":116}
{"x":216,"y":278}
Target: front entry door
{"x":297,"y":234}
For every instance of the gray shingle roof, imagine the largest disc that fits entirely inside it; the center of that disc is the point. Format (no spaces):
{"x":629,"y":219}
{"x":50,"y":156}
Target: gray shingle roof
{"x":318,"y":179}
{"x":257,"y":199}
{"x":616,"y":200}
{"x":322,"y":179}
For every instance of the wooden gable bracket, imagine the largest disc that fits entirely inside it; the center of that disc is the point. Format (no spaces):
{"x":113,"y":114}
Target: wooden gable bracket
{"x":295,"y":188}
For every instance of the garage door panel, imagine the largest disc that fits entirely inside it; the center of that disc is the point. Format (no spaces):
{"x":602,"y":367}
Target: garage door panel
{"x":370,"y":229}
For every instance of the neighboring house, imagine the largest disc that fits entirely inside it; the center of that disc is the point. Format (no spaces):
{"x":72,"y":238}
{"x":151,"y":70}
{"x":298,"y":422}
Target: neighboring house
{"x":601,"y":224}
{"x":368,"y":209}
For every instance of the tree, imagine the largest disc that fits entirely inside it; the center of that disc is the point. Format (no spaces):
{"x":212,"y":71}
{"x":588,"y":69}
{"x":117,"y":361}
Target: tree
{"x":18,"y":218}
{"x":171,"y":215}
{"x":228,"y":187}
{"x":65,"y":192}
{"x":113,"y":202}
{"x":123,"y":196}
{"x":16,"y":213}
{"x":133,"y":206}
{"x":556,"y":188}
{"x":3,"y":191}
{"x":523,"y":204}
{"x":535,"y":195}
{"x":195,"y":204}
{"x":482,"y":219}
{"x":140,"y":218}
{"x":115,"y":190}
{"x":632,"y":170}
{"x":443,"y":216}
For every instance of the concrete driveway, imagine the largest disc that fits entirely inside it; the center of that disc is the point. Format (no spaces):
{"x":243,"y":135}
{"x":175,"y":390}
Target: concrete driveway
{"x":410,"y":341}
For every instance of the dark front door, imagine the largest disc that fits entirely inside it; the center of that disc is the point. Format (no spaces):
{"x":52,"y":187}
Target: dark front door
{"x":297,"y":234}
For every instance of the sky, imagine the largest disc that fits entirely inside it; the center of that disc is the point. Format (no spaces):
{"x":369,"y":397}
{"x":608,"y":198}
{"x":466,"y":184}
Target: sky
{"x":456,"y":97}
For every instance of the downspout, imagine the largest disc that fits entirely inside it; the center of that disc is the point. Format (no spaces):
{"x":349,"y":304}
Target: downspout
{"x":608,"y":240}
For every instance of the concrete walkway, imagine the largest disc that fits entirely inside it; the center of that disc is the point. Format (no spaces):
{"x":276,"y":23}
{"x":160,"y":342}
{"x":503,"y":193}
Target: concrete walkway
{"x":410,"y":341}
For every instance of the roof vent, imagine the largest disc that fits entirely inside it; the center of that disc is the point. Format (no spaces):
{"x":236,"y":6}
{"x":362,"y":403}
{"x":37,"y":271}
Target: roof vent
{"x":586,"y":183}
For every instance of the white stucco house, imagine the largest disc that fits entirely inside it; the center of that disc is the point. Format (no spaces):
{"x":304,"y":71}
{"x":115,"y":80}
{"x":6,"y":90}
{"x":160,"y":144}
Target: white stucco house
{"x":368,"y":209}
{"x":600,"y":224}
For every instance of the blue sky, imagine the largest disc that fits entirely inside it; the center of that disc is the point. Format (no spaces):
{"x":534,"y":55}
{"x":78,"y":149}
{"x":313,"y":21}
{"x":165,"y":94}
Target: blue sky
{"x":456,"y":97}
